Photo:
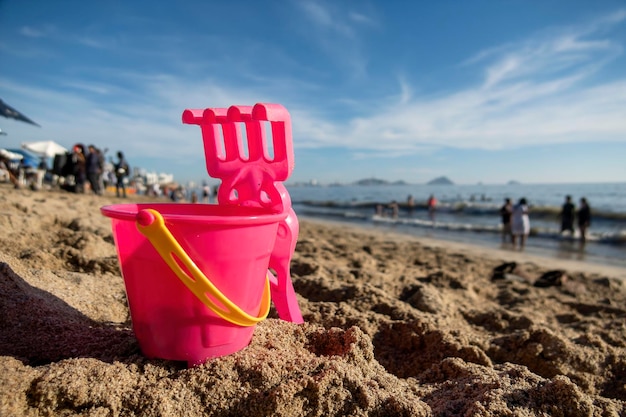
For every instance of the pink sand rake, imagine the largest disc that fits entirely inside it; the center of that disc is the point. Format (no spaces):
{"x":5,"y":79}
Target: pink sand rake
{"x":253,"y":177}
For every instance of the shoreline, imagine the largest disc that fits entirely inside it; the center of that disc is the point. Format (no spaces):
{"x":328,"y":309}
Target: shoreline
{"x":602,"y":247}
{"x":487,"y":247}
{"x":483,"y":249}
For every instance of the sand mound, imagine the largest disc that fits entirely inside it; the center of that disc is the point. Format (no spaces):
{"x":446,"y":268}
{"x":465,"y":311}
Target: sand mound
{"x":394,"y":327}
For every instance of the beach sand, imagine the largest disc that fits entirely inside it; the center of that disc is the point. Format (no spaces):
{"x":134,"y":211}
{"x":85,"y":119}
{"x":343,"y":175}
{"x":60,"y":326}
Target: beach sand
{"x":395,"y":326}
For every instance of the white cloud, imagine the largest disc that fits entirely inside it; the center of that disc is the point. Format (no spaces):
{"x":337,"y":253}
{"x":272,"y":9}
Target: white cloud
{"x":551,"y":52}
{"x":335,"y":32}
{"x":326,"y":19}
{"x":361,"y":18}
{"x":97,"y":88}
{"x":91,"y":42}
{"x":31,"y":32}
{"x":536,"y":92}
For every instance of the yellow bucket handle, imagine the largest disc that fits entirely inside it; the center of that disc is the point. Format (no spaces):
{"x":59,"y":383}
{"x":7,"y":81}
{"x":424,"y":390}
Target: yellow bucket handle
{"x":151,"y":224}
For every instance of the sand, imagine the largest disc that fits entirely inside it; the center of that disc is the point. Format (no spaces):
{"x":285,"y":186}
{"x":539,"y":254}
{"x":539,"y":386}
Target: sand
{"x":395,"y":326}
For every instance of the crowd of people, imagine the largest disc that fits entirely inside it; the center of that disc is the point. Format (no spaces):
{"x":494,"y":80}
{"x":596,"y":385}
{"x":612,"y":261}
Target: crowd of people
{"x":86,"y":170}
{"x":393,"y":208}
{"x":569,"y":213}
{"x":178,"y":193}
{"x":515,"y":218}
{"x":516,"y":221}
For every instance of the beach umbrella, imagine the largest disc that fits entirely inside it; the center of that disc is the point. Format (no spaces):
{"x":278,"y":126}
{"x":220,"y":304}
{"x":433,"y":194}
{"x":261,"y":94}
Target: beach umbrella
{"x":11,"y":156}
{"x":48,"y":148}
{"x":10,"y":113}
{"x":28,"y":159}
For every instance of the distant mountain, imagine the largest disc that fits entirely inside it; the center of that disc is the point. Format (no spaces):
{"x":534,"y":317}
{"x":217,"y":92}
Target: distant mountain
{"x":371,"y":181}
{"x":513,"y":182}
{"x":440,"y":181}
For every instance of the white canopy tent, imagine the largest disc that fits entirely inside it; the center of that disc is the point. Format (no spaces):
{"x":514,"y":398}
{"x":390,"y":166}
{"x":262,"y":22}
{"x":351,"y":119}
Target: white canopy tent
{"x":11,"y":156}
{"x":46,"y":148}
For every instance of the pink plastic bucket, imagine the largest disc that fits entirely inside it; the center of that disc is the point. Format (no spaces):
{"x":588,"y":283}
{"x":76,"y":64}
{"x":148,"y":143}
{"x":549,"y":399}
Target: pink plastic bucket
{"x":231,"y":245}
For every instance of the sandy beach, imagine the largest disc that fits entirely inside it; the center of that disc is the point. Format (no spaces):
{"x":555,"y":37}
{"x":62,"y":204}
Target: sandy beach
{"x":394,"y":326}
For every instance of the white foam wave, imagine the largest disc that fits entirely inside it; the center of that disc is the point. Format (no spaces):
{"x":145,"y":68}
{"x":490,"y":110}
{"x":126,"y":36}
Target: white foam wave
{"x":615,"y":238}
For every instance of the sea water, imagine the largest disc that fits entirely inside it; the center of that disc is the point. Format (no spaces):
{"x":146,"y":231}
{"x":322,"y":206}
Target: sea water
{"x":470,"y":213}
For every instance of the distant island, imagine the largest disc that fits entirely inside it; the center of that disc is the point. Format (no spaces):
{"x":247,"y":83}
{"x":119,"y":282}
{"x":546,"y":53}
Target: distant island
{"x":370,"y":182}
{"x":513,"y":182}
{"x":440,"y":181}
{"x":376,"y":181}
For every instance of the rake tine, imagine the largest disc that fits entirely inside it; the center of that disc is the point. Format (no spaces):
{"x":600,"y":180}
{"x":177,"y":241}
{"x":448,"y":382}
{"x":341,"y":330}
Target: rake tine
{"x":254,"y":134}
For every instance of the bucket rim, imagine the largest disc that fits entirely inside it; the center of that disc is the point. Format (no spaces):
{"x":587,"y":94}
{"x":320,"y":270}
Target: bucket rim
{"x":213,"y":213}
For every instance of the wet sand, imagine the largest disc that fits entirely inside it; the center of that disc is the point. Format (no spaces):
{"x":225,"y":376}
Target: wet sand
{"x":395,"y":325}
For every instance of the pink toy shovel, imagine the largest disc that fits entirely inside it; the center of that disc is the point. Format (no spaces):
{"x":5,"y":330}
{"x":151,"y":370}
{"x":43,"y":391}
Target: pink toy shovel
{"x":251,"y":176}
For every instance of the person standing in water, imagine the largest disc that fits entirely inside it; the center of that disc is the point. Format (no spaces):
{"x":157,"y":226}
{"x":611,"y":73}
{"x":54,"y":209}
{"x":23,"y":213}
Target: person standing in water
{"x":567,"y":216}
{"x":520,"y":223}
{"x":584,"y":219}
{"x":505,"y":212}
{"x":410,"y":204}
{"x":432,"y":206}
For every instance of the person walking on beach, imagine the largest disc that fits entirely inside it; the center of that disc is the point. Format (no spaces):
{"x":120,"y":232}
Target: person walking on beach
{"x":505,"y":212}
{"x":584,"y":219}
{"x":94,"y":169}
{"x":206,"y":192}
{"x":567,"y":215}
{"x":520,"y":223}
{"x":79,"y":167}
{"x":121,"y":171}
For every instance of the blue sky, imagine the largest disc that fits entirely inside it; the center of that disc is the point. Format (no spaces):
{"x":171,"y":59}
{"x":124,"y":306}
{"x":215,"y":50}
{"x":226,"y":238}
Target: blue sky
{"x":478,"y":91}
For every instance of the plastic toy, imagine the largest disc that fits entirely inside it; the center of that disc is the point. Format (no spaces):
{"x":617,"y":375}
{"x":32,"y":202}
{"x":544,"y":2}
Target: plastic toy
{"x":150,"y":223}
{"x":191,"y":296}
{"x":215,"y":318}
{"x":251,"y":176}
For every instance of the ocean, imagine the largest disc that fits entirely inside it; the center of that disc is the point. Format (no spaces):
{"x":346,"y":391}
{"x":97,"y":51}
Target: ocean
{"x":470,"y":214}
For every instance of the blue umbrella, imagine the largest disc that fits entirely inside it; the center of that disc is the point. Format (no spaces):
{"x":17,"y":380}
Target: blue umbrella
{"x":10,"y":113}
